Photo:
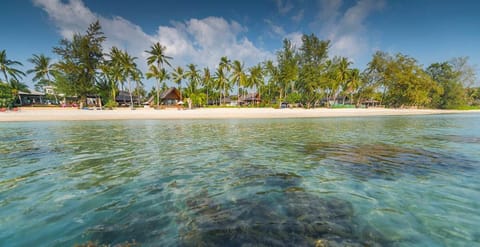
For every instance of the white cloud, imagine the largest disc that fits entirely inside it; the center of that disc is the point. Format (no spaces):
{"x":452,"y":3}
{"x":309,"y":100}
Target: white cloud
{"x":199,"y":41}
{"x":284,"y":6}
{"x":275,"y":29}
{"x":295,"y":38}
{"x":346,"y":29}
{"x":299,"y":16}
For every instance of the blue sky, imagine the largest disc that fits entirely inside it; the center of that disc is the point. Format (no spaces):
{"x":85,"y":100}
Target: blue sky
{"x":201,"y":32}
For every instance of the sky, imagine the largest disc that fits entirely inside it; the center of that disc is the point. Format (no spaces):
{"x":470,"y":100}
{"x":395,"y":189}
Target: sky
{"x":201,"y":32}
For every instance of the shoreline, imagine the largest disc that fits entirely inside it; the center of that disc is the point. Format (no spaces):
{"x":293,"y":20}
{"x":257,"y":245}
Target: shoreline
{"x":72,"y":114}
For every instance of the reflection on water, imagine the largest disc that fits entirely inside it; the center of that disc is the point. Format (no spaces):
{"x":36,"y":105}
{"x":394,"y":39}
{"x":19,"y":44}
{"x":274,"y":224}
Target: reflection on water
{"x":397,"y":181}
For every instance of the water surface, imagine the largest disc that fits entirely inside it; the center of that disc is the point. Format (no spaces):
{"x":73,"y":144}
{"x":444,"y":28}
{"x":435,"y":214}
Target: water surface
{"x":386,"y":181}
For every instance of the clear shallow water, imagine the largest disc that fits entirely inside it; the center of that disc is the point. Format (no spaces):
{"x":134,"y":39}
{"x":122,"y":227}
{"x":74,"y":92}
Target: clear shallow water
{"x":387,"y":181}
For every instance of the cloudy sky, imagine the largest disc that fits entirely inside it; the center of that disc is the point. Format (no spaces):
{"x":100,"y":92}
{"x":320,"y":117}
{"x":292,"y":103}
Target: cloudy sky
{"x":201,"y":32}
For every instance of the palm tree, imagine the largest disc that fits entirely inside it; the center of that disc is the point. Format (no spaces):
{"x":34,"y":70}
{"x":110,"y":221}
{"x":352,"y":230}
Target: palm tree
{"x":238,"y":76}
{"x":42,"y":69}
{"x":7,"y":67}
{"x":206,"y":80}
{"x":273,"y":74}
{"x":157,"y":55}
{"x":193,"y":76}
{"x":342,"y":73}
{"x":129,"y":69}
{"x":178,"y":75}
{"x":353,"y":83}
{"x":221,"y":81}
{"x":160,"y":75}
{"x":137,"y":78}
{"x":256,"y":78}
{"x":225,"y":66}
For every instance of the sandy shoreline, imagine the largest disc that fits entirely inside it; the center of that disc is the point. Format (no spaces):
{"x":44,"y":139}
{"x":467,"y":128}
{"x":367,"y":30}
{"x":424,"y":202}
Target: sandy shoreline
{"x":68,"y":114}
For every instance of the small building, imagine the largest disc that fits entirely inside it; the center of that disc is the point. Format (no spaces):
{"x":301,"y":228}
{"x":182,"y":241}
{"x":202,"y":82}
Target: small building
{"x":123,"y":98}
{"x":250,"y":98}
{"x":371,"y":103}
{"x":31,"y":98}
{"x":170,"y":97}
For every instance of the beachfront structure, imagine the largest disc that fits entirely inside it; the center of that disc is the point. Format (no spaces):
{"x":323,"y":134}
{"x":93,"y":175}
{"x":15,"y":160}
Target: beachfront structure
{"x":251,"y":98}
{"x":170,"y":97}
{"x":123,"y":98}
{"x":31,"y":98}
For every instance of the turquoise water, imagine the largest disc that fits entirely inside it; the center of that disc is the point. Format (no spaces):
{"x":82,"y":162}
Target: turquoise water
{"x":385,"y":181}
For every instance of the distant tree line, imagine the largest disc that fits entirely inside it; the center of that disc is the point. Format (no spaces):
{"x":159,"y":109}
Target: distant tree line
{"x":303,"y":75}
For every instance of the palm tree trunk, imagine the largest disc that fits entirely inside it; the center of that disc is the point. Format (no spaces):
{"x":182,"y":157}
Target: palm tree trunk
{"x":158,"y":94}
{"x":130,"y":91}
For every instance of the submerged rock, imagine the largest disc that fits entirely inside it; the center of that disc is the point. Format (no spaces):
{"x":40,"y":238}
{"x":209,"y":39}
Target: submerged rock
{"x":274,"y":219}
{"x":384,"y":161}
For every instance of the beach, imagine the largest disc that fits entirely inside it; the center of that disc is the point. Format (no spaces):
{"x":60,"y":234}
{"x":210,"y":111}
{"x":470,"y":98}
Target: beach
{"x":72,"y":114}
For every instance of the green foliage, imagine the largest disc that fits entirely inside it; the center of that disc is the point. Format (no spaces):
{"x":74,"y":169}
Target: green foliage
{"x":81,"y":57}
{"x":7,"y":68}
{"x":6,"y":95}
{"x":293,"y":98}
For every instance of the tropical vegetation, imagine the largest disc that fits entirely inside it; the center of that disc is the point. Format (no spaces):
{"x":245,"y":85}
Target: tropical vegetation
{"x":303,"y":76}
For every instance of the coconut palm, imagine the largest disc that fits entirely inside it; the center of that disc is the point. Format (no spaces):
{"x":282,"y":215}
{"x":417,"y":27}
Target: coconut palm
{"x":7,"y":67}
{"x":129,"y":69}
{"x":207,"y":80}
{"x":193,"y":77}
{"x":256,"y":78}
{"x":157,"y":55}
{"x":42,"y":69}
{"x":353,"y":83}
{"x":221,"y":81}
{"x":342,"y":74}
{"x":178,"y":75}
{"x":225,"y":66}
{"x":159,"y":75}
{"x":238,"y":76}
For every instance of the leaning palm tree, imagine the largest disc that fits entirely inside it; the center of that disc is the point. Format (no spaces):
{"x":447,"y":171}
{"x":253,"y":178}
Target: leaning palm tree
{"x":178,"y":75}
{"x":7,"y":67}
{"x":157,"y":55}
{"x":238,"y":76}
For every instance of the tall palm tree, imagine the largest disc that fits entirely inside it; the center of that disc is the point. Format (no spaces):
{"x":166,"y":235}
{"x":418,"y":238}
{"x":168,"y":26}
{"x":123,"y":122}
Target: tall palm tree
{"x":221,"y":82}
{"x":353,"y":83}
{"x":238,"y":76}
{"x":42,"y":69}
{"x":129,"y":69}
{"x":157,"y":55}
{"x":178,"y":75}
{"x":225,"y":66}
{"x":159,"y":75}
{"x":342,"y":74}
{"x":137,"y":78}
{"x":256,"y":78}
{"x":193,"y":77}
{"x":7,"y":67}
{"x":207,"y":80}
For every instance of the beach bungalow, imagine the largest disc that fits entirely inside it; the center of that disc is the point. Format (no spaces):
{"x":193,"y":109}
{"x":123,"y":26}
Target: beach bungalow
{"x":170,"y":97}
{"x":123,"y":98}
{"x":371,"y":103}
{"x":251,"y":98}
{"x":30,"y":98}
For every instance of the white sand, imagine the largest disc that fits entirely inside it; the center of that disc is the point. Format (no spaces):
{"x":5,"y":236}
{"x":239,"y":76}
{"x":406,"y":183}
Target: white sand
{"x":59,"y":114}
